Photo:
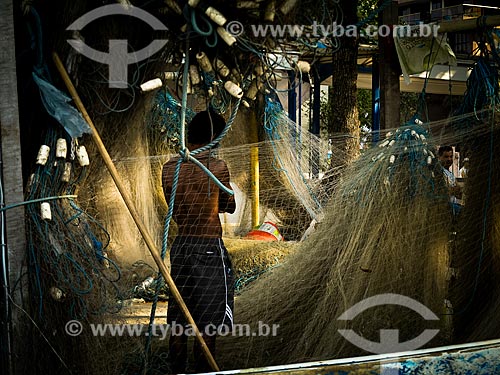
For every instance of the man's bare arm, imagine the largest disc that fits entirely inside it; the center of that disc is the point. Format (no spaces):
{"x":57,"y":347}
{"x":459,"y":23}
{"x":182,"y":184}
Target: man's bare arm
{"x":227,"y":202}
{"x":166,"y":182}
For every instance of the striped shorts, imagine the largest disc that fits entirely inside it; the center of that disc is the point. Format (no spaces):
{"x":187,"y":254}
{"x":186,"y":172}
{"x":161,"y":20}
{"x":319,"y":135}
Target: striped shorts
{"x":202,"y":271}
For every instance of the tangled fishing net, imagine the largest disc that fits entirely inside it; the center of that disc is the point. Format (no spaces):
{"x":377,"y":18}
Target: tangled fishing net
{"x":387,"y":229}
{"x":383,"y":227}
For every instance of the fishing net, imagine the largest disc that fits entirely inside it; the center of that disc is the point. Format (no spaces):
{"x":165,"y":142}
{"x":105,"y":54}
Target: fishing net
{"x":388,"y":228}
{"x":340,"y":233}
{"x":384,"y":227}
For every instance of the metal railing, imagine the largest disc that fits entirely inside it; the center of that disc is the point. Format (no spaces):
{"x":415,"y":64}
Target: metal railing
{"x":410,"y":19}
{"x":455,"y":12}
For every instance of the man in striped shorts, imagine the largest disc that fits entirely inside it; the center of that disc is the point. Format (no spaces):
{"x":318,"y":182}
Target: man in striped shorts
{"x":200,"y":264}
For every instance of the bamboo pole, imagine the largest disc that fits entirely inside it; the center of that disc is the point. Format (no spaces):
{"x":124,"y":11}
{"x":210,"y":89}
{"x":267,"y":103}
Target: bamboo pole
{"x":471,"y":24}
{"x":133,"y":212}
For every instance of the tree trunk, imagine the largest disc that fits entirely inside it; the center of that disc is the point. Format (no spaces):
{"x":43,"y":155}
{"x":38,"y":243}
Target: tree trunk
{"x":343,"y":94}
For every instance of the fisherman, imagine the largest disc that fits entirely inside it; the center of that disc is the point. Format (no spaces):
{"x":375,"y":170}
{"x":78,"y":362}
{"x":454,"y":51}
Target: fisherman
{"x":445,"y":155}
{"x":200,"y":264}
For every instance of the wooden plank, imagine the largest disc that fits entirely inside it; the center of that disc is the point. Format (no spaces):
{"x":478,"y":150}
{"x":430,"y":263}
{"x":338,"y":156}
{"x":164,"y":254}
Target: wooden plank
{"x":481,"y":358}
{"x":434,"y":86}
{"x":15,"y":240}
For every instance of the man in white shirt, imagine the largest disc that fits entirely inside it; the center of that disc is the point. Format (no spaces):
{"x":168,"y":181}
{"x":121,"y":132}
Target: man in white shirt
{"x":462,"y":173}
{"x":445,"y":155}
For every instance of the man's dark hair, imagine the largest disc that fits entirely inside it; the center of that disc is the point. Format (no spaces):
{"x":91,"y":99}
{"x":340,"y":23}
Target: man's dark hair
{"x":444,"y":149}
{"x":204,"y":127}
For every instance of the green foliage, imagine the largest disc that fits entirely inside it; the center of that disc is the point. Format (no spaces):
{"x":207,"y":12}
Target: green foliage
{"x":364,"y":110}
{"x":408,"y":105}
{"x":365,"y":7}
{"x":365,"y":107}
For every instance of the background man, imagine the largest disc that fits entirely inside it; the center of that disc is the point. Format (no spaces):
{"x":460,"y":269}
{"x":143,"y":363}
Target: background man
{"x":445,"y":155}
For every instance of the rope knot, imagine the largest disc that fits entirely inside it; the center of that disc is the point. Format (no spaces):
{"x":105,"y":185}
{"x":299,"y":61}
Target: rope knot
{"x":184,"y":153}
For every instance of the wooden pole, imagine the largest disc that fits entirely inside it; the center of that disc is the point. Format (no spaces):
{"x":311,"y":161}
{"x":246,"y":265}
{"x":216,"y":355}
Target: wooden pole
{"x":13,"y":237}
{"x":133,"y":212}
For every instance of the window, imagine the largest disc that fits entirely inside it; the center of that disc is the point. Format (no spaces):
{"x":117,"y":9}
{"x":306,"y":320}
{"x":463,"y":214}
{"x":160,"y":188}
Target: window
{"x":436,"y":4}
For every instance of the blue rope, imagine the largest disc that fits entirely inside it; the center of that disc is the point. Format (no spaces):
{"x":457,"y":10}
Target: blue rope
{"x":170,"y":208}
{"x":482,"y":88}
{"x":209,"y":32}
{"x":183,"y":149}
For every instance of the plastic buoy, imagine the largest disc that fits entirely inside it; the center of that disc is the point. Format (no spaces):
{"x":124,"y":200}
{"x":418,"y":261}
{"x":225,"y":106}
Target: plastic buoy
{"x":268,"y":231}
